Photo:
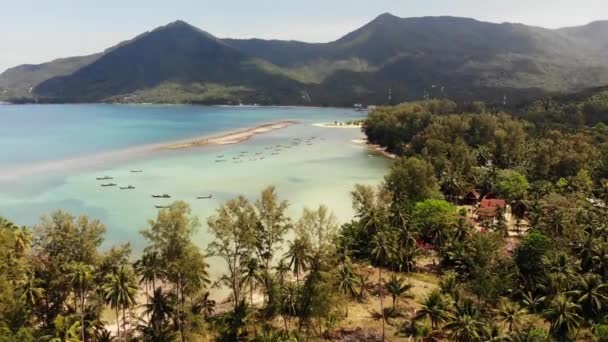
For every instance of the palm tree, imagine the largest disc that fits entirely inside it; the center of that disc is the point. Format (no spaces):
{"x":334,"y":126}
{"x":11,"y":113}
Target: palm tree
{"x":407,"y":239}
{"x":65,"y":330}
{"x":510,"y":313}
{"x":452,"y":184}
{"x":251,"y":276}
{"x":556,"y":223}
{"x":298,"y":254}
{"x":281,"y":269}
{"x":364,"y":285}
{"x":80,"y":279}
{"x":462,"y":229}
{"x":159,"y":307}
{"x":23,"y":239}
{"x":563,"y":317}
{"x":120,"y":290}
{"x":436,"y":308}
{"x":589,"y":293}
{"x":449,"y":284}
{"x":397,"y":288}
{"x":204,"y":305}
{"x":149,"y":269}
{"x":382,"y":251}
{"x":532,"y":302}
{"x":237,"y":322}
{"x":603,"y":191}
{"x":465,"y":328}
{"x":560,"y":267}
{"x":347,"y":282}
{"x":31,"y":290}
{"x":104,"y":335}
{"x":289,"y":303}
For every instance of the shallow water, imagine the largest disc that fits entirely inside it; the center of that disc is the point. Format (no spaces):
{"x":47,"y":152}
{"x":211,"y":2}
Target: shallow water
{"x":322,"y":171}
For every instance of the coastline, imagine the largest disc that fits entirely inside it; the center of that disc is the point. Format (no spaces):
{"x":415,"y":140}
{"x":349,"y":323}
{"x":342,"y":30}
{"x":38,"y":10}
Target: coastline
{"x":230,"y":138}
{"x":333,"y":125}
{"x":375,"y":148}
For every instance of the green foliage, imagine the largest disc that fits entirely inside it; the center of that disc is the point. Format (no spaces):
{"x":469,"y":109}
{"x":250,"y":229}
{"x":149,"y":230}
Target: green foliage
{"x":512,"y":185}
{"x":412,"y":180}
{"x":434,"y":218}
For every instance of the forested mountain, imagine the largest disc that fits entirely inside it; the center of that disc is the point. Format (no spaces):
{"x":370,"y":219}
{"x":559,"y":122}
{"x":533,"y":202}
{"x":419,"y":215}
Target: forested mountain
{"x":460,"y":58}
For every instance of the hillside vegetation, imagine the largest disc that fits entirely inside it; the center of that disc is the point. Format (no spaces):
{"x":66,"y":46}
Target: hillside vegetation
{"x":459,"y":58}
{"x":420,"y":259}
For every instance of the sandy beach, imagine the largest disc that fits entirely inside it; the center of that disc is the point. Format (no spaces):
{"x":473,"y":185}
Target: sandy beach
{"x":375,"y":148}
{"x":230,"y":137}
{"x":105,"y":158}
{"x":338,"y":125}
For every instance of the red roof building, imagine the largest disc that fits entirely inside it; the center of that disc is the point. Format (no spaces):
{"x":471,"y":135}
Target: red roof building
{"x":489,"y":206}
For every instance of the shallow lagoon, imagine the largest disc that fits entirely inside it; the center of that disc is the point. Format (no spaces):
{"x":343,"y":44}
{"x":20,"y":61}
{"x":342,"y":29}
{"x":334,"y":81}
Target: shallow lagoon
{"x":322,"y":172}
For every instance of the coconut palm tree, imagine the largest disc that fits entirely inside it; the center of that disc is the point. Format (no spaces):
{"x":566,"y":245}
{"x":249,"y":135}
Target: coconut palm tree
{"x":252,"y":277}
{"x":104,"y":335}
{"x":289,"y":303}
{"x":590,"y":292}
{"x":237,"y":322}
{"x":347,"y":281}
{"x":65,"y":330}
{"x":23,"y":239}
{"x":120,"y":289}
{"x":510,"y":313}
{"x":31,"y":289}
{"x":205,"y":305}
{"x":436,"y":308}
{"x":465,"y":328}
{"x":149,"y":268}
{"x":449,"y":284}
{"x":160,"y":307}
{"x":81,"y":280}
{"x":298,"y":254}
{"x":532,"y":302}
{"x":397,"y":288}
{"x":563,"y":316}
{"x":561,"y":269}
{"x":382,"y":251}
{"x":407,"y":239}
{"x":281,"y":271}
{"x":364,"y":285}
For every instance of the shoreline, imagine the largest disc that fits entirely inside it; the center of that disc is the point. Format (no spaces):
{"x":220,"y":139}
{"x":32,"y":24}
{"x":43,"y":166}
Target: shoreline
{"x":375,"y":148}
{"x":92,"y":161}
{"x":333,"y":125}
{"x":230,"y":138}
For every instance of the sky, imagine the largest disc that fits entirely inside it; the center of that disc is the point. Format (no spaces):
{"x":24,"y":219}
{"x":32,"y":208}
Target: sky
{"x":39,"y":31}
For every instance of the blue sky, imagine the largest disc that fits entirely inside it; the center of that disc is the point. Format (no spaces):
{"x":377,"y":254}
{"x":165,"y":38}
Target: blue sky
{"x":39,"y":31}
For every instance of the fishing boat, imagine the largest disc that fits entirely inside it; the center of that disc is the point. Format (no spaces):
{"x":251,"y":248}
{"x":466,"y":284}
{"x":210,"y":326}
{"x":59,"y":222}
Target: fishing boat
{"x":162,"y":206}
{"x":130,"y":187}
{"x":108,"y":184}
{"x":104,"y":178}
{"x":161,"y":196}
{"x":204,"y":197}
{"x":136,"y":171}
{"x":220,"y":161}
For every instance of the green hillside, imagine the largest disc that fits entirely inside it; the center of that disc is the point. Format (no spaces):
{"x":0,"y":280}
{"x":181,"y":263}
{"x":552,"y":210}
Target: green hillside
{"x":413,"y":58}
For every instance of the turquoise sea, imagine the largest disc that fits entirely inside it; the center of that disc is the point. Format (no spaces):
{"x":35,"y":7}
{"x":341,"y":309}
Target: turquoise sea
{"x":51,"y":156}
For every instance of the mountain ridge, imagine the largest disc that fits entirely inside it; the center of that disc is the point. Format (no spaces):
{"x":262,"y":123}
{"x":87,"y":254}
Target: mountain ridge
{"x":463,"y":58}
